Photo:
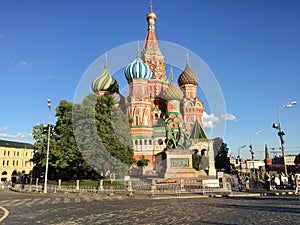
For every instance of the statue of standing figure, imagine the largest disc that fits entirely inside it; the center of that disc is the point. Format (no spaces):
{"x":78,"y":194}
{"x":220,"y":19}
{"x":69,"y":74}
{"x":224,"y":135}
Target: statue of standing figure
{"x":177,"y":140}
{"x":171,"y":140}
{"x":184,"y":140}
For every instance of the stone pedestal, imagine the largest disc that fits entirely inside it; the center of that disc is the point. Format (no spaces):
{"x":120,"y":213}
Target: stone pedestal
{"x":176,"y":164}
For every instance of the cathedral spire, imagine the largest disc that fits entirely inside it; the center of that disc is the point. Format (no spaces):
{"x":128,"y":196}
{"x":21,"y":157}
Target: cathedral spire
{"x":151,"y":53}
{"x":187,"y":59}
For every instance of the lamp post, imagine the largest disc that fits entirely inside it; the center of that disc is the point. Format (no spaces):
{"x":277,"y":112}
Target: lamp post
{"x":251,"y":149}
{"x":280,"y":131}
{"x":239,"y":156}
{"x":48,"y":145}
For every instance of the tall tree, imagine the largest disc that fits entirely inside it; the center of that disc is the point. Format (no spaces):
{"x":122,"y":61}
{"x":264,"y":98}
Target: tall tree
{"x":103,"y":134}
{"x":222,"y":161}
{"x":87,"y":137}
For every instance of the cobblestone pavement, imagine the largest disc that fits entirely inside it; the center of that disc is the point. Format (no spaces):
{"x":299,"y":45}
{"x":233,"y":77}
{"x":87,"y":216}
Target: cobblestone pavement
{"x":67,"y":210}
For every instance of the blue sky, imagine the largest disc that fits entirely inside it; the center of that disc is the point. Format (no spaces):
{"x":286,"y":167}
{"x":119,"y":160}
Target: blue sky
{"x":252,"y":47}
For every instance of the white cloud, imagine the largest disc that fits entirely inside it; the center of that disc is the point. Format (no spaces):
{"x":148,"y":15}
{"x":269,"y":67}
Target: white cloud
{"x":229,"y":117}
{"x":3,"y":129}
{"x":210,"y":120}
{"x":18,"y":135}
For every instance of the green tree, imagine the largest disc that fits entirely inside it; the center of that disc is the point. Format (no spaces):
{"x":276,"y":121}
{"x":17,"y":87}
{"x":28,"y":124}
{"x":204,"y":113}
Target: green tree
{"x":222,"y":161}
{"x":87,"y":137}
{"x":103,"y":134}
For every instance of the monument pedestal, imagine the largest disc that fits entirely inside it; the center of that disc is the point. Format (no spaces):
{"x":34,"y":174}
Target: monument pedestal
{"x":176,"y":164}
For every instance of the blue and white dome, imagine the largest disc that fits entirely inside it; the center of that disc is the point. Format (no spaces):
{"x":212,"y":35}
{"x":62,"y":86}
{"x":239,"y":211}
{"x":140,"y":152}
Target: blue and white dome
{"x":137,"y":69}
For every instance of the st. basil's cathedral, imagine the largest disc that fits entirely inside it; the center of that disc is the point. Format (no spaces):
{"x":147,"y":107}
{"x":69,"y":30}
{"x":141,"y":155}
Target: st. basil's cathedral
{"x":155,"y":105}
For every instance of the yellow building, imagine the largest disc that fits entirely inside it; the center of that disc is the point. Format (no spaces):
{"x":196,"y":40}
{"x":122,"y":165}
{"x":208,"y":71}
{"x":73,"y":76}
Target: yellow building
{"x":14,"y":160}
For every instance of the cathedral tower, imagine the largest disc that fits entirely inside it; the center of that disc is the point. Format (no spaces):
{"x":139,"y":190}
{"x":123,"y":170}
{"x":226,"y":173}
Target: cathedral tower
{"x":192,"y":107}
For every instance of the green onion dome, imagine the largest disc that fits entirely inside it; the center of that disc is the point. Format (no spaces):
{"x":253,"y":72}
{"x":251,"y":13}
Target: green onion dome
{"x":188,"y":76}
{"x":173,"y":92}
{"x":105,"y":82}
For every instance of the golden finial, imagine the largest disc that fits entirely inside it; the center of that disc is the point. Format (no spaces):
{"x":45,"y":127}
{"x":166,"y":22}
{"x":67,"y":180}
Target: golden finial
{"x":151,"y":14}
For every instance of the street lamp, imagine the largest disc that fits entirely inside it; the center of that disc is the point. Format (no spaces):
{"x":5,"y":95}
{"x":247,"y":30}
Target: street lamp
{"x":240,"y":156}
{"x":280,"y":131}
{"x":48,"y":145}
{"x":251,"y":148}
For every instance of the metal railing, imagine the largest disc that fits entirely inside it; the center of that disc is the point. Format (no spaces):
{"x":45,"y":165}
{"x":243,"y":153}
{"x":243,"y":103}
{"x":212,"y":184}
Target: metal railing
{"x":137,"y":188}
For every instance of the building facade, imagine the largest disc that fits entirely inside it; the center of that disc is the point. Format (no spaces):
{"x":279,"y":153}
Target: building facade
{"x":156,"y":104}
{"x":15,"y":160}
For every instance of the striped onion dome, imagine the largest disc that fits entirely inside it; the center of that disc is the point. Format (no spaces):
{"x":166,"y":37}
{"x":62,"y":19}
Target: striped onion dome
{"x":188,"y":76}
{"x":173,"y":92}
{"x":137,"y":69}
{"x":105,"y":82}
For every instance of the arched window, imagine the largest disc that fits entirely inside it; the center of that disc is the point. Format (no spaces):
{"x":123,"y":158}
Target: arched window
{"x":150,"y":142}
{"x":141,"y":142}
{"x":160,"y":141}
{"x":136,"y":142}
{"x":145,"y":142}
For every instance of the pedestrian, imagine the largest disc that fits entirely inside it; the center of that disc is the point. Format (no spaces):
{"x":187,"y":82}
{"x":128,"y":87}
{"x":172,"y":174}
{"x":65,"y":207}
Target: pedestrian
{"x":240,"y":184}
{"x":267,"y":181}
{"x":297,"y":183}
{"x":247,"y":184}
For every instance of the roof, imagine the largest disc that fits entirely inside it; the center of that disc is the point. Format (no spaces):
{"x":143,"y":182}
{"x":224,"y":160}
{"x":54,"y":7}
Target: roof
{"x":197,"y":131}
{"x":14,"y":144}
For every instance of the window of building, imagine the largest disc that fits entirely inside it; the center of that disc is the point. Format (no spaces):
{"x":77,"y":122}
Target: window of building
{"x":17,"y":153}
{"x":7,"y":162}
{"x":4,"y":152}
{"x":136,"y":142}
{"x":17,"y":162}
{"x":3,"y":163}
{"x":8,"y":153}
{"x":13,"y":162}
{"x":141,"y":142}
{"x":150,"y":142}
{"x":145,"y":142}
{"x":160,"y":141}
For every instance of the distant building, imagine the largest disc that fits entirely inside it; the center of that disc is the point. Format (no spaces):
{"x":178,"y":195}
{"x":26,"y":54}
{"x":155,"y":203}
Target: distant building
{"x":277,"y":165}
{"x":15,"y":160}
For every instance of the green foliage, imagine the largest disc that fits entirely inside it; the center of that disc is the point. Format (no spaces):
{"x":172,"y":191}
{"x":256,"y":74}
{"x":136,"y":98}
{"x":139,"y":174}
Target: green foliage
{"x":222,"y":161}
{"x":200,"y":162}
{"x":143,"y":162}
{"x":87,"y":137}
{"x":196,"y":161}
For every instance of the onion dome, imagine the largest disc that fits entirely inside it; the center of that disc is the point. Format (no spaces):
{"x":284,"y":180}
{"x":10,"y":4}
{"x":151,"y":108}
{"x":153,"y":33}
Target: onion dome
{"x":105,"y":82}
{"x":151,"y":14}
{"x":188,"y":76}
{"x":137,"y":69}
{"x":173,"y":92}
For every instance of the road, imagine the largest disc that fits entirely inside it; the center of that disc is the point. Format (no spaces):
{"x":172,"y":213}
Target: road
{"x":70,"y":210}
